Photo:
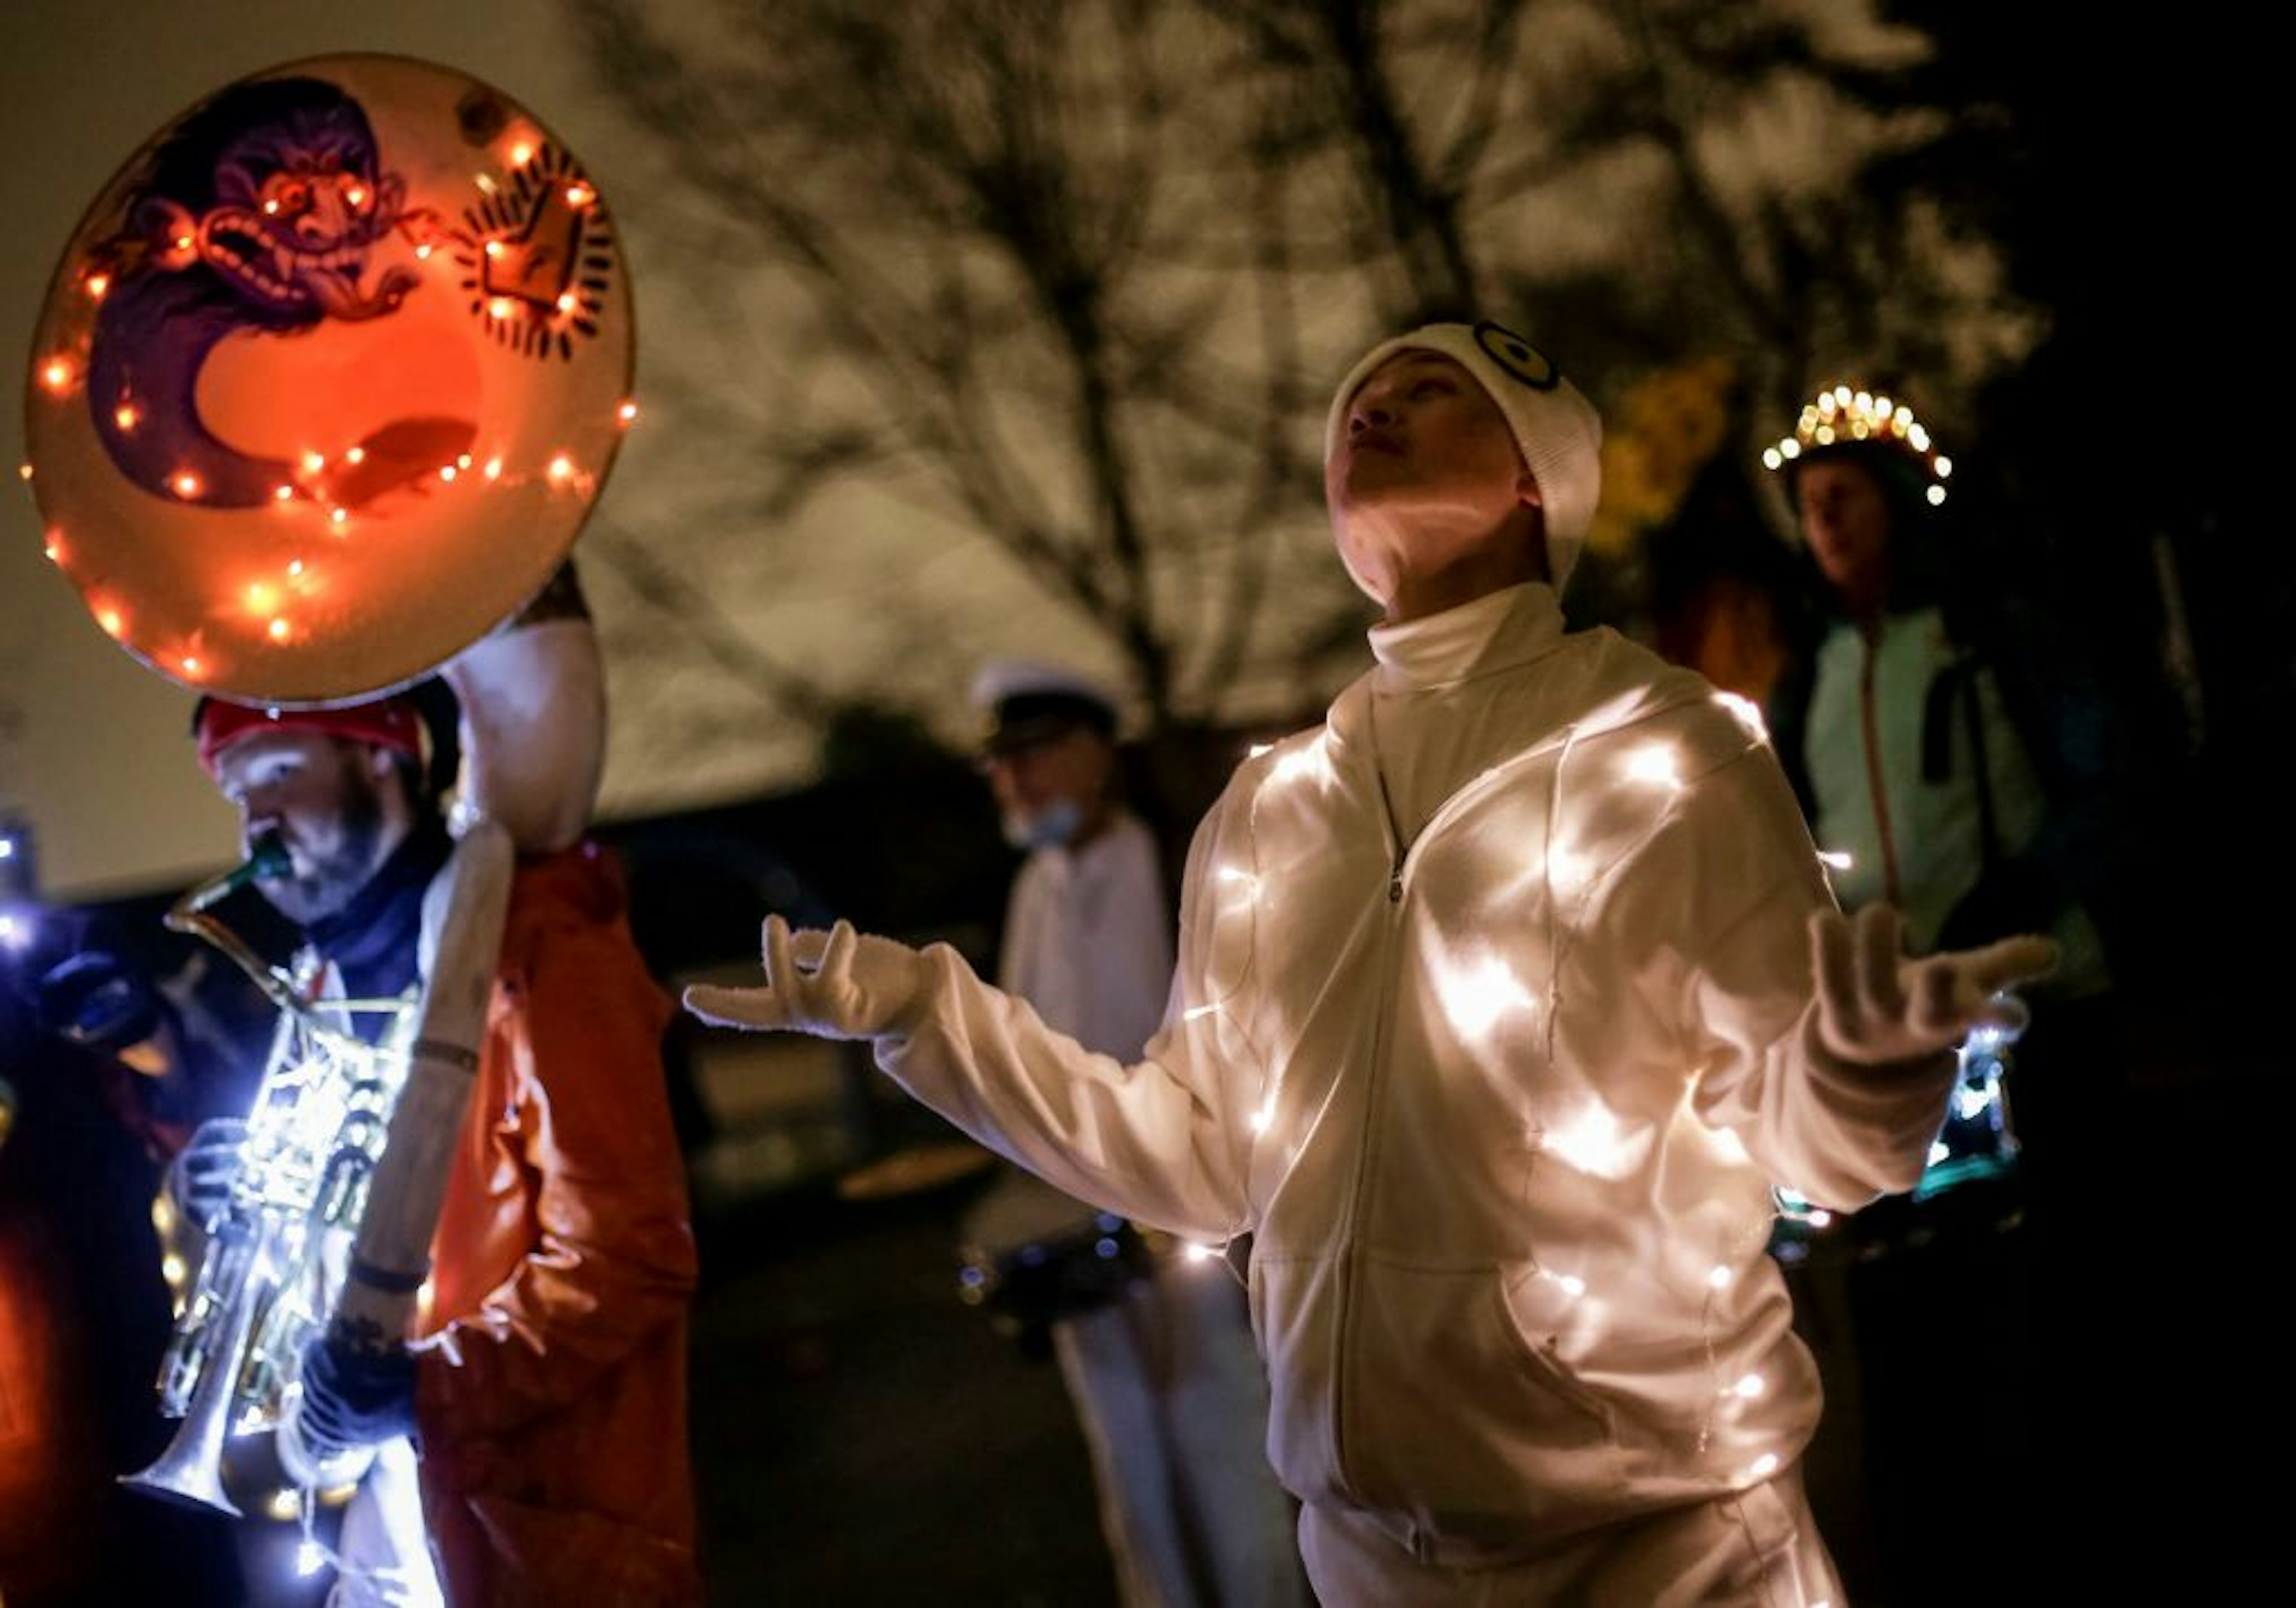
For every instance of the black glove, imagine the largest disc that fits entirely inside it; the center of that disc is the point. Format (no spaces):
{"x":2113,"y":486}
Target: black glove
{"x":354,"y":1399}
{"x":93,"y":999}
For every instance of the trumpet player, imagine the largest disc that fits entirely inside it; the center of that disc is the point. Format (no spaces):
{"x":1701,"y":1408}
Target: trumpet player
{"x":541,"y":1405}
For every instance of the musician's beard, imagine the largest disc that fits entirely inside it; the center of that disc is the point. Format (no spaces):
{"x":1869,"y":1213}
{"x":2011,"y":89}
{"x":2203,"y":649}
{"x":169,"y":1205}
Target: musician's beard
{"x":338,"y":869}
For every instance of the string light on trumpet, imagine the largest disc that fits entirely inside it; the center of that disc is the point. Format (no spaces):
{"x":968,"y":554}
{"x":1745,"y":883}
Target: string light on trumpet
{"x":110,"y":618}
{"x":578,"y":195}
{"x":520,"y":154}
{"x":628,"y":413}
{"x":57,"y":374}
{"x":127,"y":415}
{"x":95,"y":285}
{"x":185,"y":485}
{"x":562,"y":470}
{"x":55,"y":547}
{"x":23,"y":472}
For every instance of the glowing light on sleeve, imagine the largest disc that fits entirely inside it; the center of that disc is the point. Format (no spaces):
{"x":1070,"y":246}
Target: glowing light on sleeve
{"x":1597,"y":1143}
{"x":1477,"y":994}
{"x":1747,"y":713}
{"x":1308,"y":763}
{"x":1568,"y":872}
{"x":1654,"y":765}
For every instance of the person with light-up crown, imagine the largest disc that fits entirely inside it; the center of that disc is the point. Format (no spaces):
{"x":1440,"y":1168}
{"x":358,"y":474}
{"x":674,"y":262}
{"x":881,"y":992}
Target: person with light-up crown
{"x":1504,"y":998}
{"x":1953,"y":754}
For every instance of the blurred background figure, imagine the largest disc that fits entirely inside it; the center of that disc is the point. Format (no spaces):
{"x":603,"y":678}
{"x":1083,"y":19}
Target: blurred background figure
{"x":84,"y":1312}
{"x":1154,"y":1341}
{"x":1953,"y":753}
{"x":1954,"y":759}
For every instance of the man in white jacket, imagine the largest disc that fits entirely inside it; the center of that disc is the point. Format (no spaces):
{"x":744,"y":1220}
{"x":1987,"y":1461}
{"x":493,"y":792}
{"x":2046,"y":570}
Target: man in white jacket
{"x":1504,"y":997}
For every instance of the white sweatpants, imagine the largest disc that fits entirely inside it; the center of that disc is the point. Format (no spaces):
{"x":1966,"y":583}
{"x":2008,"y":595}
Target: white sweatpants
{"x":1758,"y":1549}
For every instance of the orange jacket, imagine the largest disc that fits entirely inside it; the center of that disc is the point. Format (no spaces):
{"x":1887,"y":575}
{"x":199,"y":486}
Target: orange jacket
{"x":551,"y":1388}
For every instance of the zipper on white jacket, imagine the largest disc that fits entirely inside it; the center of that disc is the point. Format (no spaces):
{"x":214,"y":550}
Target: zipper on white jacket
{"x":1399,"y":856}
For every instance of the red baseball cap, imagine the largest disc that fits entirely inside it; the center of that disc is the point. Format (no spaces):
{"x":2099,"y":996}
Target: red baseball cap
{"x":392,"y":723}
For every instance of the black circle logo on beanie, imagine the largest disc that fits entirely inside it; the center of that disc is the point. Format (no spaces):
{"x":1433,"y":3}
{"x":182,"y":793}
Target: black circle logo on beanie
{"x":1517,"y":356}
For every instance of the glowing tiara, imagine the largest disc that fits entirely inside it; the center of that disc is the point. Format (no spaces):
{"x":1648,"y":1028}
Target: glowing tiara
{"x":1842,"y":415}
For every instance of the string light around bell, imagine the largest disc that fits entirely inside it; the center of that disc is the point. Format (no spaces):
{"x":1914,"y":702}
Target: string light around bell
{"x":1842,"y":414}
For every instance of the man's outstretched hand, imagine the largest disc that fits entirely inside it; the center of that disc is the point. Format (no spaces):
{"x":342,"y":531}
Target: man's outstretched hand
{"x":1876,"y":1004}
{"x":838,"y":984}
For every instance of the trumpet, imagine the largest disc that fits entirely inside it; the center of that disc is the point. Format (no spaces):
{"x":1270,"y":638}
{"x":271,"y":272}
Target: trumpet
{"x":273,"y":1263}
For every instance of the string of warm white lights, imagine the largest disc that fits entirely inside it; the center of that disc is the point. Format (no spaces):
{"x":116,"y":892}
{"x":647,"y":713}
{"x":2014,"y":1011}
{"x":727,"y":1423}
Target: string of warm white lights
{"x":1843,"y":413}
{"x":1482,"y":989}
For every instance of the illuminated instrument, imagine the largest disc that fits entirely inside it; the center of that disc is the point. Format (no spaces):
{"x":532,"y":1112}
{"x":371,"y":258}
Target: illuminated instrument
{"x":326,"y":383}
{"x":328,"y":378}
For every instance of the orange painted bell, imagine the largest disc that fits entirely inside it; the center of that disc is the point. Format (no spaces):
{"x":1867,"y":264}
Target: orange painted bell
{"x":329,"y":379}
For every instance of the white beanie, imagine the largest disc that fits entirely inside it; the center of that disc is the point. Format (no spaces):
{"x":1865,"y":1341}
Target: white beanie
{"x":1556,"y":429}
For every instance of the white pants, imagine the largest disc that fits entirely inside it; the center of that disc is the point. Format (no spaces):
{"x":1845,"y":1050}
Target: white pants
{"x":384,"y":1551}
{"x":1758,"y":1549}
{"x":1172,"y":1398}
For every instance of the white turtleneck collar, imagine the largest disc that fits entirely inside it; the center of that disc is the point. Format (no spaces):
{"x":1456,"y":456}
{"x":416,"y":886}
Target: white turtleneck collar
{"x":1494,"y":632}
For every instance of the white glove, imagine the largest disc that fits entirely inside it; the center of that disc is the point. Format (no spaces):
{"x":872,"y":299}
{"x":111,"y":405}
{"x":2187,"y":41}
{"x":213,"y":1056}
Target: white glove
{"x":1876,"y":1005}
{"x":834,"y":985}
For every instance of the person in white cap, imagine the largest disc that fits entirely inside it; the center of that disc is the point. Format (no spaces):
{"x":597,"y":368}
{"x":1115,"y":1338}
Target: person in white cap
{"x":1504,"y":999}
{"x":1158,"y":1360}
